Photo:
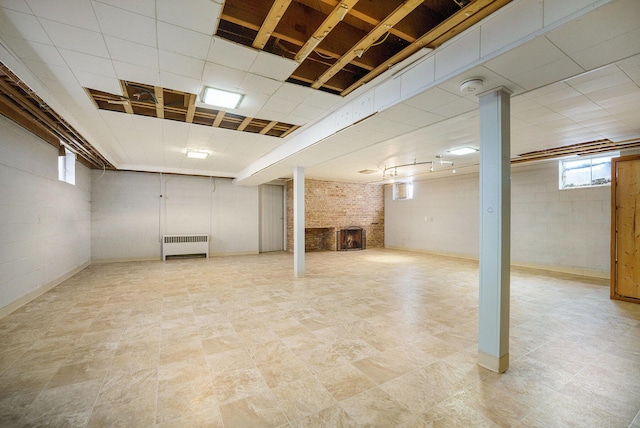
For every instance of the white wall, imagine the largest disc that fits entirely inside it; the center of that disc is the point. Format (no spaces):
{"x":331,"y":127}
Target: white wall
{"x":565,"y":230}
{"x":130,"y":211}
{"x":45,"y":224}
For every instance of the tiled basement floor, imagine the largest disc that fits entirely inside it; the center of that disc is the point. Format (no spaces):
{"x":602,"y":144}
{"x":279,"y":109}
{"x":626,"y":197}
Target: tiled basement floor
{"x":372,"y":338}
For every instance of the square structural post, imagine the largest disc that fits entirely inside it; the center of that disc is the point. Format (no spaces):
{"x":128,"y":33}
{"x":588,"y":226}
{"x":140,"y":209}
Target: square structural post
{"x":298,"y":222}
{"x":495,"y":230}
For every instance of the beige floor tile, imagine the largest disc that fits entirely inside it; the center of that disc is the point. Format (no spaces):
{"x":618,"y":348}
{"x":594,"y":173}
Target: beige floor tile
{"x":389,"y":336}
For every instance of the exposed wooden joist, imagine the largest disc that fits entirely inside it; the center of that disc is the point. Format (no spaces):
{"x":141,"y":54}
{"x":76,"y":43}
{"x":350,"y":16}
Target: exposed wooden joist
{"x":218,"y":119}
{"x":127,"y":106}
{"x":159,"y":94}
{"x":337,"y":14}
{"x":191,"y":109}
{"x":268,"y":127}
{"x":457,"y":23}
{"x":271,"y":21}
{"x":244,"y":124}
{"x":361,"y":47}
{"x":20,"y":116}
{"x":289,"y":131}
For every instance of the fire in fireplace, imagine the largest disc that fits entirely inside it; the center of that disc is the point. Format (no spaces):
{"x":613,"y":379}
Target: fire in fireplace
{"x":351,"y":238}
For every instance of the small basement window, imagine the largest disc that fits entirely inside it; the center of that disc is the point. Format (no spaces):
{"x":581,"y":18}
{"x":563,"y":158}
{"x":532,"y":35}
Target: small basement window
{"x":595,"y":171}
{"x":402,"y":191}
{"x":67,"y":166}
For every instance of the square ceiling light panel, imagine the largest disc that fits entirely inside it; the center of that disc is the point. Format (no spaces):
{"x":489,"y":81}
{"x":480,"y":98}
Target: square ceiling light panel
{"x":221,"y":98}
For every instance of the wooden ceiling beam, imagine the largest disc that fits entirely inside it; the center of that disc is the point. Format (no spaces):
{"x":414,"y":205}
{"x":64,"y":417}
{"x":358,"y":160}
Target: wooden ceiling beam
{"x":457,"y":23}
{"x":159,"y":94}
{"x":191,"y":109}
{"x":27,"y":121}
{"x":244,"y":124}
{"x":338,"y":13}
{"x":268,"y":127}
{"x":365,"y":43}
{"x":125,"y":93}
{"x":218,"y":120}
{"x":271,"y":21}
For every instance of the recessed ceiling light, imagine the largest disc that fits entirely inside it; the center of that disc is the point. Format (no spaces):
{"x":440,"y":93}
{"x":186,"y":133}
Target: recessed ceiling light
{"x":462,"y":151}
{"x":197,"y":154}
{"x":221,"y":98}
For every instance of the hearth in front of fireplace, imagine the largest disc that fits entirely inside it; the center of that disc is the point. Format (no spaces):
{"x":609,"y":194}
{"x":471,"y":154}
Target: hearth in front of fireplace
{"x":351,"y":238}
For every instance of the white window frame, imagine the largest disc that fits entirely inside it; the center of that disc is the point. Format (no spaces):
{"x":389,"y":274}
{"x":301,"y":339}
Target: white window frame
{"x":67,"y":167}
{"x":562,"y":171}
{"x":403,"y":191}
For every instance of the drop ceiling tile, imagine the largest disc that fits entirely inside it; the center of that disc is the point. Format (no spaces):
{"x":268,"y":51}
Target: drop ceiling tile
{"x":179,"y":83}
{"x":35,"y":51}
{"x":614,"y":94}
{"x":99,"y":82}
{"x":271,"y":115}
{"x":510,"y":24}
{"x":126,"y":25}
{"x":273,"y":66}
{"x":219,"y":76}
{"x":182,"y":65}
{"x":133,"y":53}
{"x":52,"y":72}
{"x":17,"y":5}
{"x":82,"y":14}
{"x":261,"y":85}
{"x":201,"y":15}
{"x":416,"y":77}
{"x":308,"y":112}
{"x":409,"y":115}
{"x":323,"y":100}
{"x":280,"y":105}
{"x":183,"y":41}
{"x":75,"y":39}
{"x":136,"y":73}
{"x":460,"y":106}
{"x":610,"y":51}
{"x":142,"y":7}
{"x":432,"y":99}
{"x":548,"y":73}
{"x":293,"y":92}
{"x":532,"y":55}
{"x":458,"y":53}
{"x":230,"y":54}
{"x":80,"y":62}
{"x":251,"y":104}
{"x":23,"y":26}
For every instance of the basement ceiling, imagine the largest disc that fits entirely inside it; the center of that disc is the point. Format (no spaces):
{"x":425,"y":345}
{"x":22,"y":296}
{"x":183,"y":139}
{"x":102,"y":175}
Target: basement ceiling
{"x":341,"y":45}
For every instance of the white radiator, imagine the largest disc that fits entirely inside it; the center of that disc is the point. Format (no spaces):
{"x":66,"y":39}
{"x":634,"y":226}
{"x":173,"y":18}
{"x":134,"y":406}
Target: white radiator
{"x":181,"y":245}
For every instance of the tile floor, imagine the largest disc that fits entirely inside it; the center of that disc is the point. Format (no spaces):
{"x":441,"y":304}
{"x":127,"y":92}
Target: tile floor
{"x":372,"y":338}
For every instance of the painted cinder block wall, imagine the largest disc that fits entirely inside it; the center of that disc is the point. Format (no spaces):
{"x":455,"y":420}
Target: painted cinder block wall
{"x":563,"y":230}
{"x":339,"y":205}
{"x":45,"y":224}
{"x":130,"y":212}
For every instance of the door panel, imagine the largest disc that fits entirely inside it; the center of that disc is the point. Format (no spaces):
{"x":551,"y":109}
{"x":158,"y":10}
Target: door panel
{"x":271,"y":218}
{"x":625,"y":248}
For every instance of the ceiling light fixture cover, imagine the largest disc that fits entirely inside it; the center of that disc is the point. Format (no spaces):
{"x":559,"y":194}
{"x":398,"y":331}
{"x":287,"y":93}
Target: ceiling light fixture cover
{"x":197,"y":154}
{"x":462,"y":151}
{"x":221,"y":98}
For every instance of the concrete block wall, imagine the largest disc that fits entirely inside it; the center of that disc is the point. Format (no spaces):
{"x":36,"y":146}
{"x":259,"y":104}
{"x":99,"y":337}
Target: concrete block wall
{"x":132,"y":210}
{"x":563,"y":230}
{"x":339,"y":205}
{"x":45,"y":224}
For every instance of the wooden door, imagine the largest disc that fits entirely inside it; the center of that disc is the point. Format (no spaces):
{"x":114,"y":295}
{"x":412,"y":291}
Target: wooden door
{"x":271,"y":218}
{"x":625,"y":231}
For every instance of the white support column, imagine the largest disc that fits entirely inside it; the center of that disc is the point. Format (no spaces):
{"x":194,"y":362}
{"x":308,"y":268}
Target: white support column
{"x":298,"y":222}
{"x":495,"y":230}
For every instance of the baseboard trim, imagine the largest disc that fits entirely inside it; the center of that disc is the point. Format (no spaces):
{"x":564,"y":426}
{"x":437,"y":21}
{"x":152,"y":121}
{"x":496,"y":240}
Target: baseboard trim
{"x":555,"y":269}
{"x":159,"y":258}
{"x":17,"y":304}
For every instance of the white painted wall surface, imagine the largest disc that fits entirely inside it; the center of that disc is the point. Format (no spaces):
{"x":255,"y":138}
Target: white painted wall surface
{"x":45,"y":224}
{"x":565,"y":230}
{"x":132,"y":210}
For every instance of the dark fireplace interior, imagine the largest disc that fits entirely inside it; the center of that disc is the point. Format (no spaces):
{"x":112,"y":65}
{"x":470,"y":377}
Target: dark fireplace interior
{"x":351,"y":238}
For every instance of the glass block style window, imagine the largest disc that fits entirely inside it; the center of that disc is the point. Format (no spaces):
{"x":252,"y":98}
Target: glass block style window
{"x":594,"y":171}
{"x":402,"y":191}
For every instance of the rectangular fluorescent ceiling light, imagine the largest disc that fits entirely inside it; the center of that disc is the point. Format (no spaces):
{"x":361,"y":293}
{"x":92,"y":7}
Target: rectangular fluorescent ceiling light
{"x":197,"y":154}
{"x":462,"y":151}
{"x":220,"y":98}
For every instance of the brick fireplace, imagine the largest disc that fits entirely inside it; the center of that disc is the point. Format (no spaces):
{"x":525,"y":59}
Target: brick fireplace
{"x":333,"y":206}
